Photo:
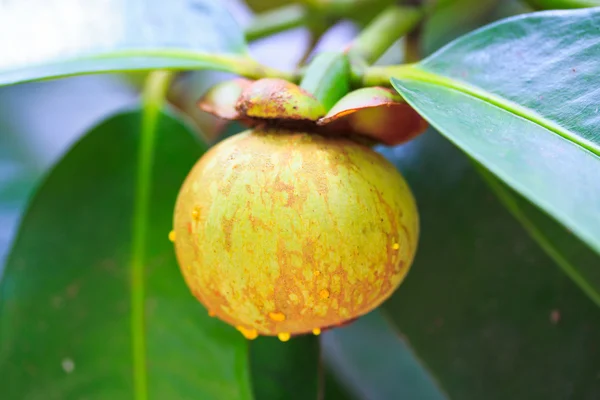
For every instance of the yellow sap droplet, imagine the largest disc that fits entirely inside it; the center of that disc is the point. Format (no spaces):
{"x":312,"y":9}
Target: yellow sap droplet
{"x":172,"y":236}
{"x":395,"y":246}
{"x":211,"y":313}
{"x":317,"y":273}
{"x":283,"y":336}
{"x":249,"y":333}
{"x":324,"y":293}
{"x":317,"y":331}
{"x":277,"y":316}
{"x":196,"y":213}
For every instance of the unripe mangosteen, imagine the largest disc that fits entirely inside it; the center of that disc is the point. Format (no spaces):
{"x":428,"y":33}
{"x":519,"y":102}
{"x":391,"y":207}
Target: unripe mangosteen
{"x":282,"y":232}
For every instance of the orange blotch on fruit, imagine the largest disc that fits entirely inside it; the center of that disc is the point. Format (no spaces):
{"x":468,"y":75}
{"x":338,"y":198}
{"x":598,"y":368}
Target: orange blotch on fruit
{"x":277,"y":316}
{"x":280,"y":208}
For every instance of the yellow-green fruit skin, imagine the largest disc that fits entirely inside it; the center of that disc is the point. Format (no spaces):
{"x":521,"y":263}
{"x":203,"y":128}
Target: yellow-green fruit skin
{"x":286,"y":232}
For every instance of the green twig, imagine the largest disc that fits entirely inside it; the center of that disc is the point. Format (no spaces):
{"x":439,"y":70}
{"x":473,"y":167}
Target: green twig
{"x":561,"y":4}
{"x":317,"y":26}
{"x":152,"y":97}
{"x":275,"y":21}
{"x":412,"y":46}
{"x":393,"y":23}
{"x":341,"y":8}
{"x":379,"y":75}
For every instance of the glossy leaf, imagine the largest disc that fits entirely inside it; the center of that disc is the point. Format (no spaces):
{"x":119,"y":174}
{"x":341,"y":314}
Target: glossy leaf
{"x":66,"y":315}
{"x":74,"y":37}
{"x":287,"y":370}
{"x":374,"y":362}
{"x":483,"y":307}
{"x":524,"y":110}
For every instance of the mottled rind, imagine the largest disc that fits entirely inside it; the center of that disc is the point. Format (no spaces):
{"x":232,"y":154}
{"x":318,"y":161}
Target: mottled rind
{"x":294,"y":232}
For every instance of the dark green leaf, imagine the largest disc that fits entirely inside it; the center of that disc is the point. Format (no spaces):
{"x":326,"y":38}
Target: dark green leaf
{"x":52,"y":38}
{"x":285,"y":370}
{"x":374,"y":362}
{"x":333,"y":389}
{"x":65,"y":298}
{"x":482,"y":306}
{"x":523,"y":109}
{"x":574,"y":257}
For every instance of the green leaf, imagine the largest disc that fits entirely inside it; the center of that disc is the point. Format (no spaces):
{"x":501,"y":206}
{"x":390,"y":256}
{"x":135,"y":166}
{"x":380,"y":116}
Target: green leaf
{"x":482,"y":307}
{"x":72,"y":37}
{"x":333,"y":389}
{"x":519,"y":96}
{"x":67,"y":298}
{"x":574,"y":257}
{"x":327,"y":78}
{"x":285,"y":370}
{"x":374,"y":362}
{"x":18,"y":173}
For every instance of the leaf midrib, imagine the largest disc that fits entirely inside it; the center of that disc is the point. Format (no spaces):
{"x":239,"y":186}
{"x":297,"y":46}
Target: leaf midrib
{"x":239,"y":64}
{"x":414,"y":73}
{"x":153,"y":97}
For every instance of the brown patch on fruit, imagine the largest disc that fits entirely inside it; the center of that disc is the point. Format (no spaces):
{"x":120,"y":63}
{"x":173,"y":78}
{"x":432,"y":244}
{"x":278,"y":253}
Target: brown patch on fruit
{"x":227,"y":226}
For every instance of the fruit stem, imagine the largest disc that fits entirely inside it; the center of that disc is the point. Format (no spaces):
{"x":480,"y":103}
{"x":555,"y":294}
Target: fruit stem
{"x":390,"y":25}
{"x":248,"y":67}
{"x":381,"y":75}
{"x":153,"y":97}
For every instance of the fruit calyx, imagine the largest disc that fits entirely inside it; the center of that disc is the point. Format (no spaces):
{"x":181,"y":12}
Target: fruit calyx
{"x":368,"y":115}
